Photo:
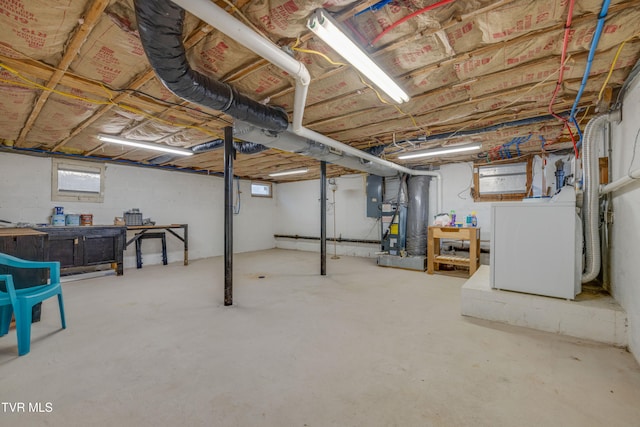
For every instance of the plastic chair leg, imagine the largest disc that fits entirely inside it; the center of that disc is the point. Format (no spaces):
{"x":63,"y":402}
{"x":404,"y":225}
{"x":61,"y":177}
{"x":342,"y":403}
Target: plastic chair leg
{"x":5,"y":319}
{"x":23,"y":328}
{"x":61,"y":306}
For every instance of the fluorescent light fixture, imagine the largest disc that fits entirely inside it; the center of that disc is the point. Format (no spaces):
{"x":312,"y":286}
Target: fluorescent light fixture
{"x":442,"y":151}
{"x":145,"y":145}
{"x":290,"y":172}
{"x":325,"y":27}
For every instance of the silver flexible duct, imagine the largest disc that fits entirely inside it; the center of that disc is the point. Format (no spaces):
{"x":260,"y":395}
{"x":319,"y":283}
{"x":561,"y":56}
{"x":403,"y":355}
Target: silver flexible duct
{"x":590,"y":209}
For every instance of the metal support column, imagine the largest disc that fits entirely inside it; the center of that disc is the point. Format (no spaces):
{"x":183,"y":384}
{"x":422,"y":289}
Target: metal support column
{"x":323,"y":218}
{"x":229,"y":154}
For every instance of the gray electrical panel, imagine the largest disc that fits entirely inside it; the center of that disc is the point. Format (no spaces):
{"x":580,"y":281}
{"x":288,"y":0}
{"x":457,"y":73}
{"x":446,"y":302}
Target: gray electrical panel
{"x":374,"y":196}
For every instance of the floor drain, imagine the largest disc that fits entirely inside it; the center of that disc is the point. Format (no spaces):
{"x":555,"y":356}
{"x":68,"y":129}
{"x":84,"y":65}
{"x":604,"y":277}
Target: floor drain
{"x":261,"y":277}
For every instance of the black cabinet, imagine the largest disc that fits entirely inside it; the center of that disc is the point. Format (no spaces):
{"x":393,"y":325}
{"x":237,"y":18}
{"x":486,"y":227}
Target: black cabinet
{"x":27,"y":244}
{"x":80,"y":248}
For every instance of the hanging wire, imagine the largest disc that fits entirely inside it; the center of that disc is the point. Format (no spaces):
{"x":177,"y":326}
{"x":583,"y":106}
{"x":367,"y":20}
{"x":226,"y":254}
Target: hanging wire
{"x":633,"y":155}
{"x":613,"y":64}
{"x":563,"y":60}
{"x":234,"y":9}
{"x":406,"y":18}
{"x":342,"y":64}
{"x":236,"y":206}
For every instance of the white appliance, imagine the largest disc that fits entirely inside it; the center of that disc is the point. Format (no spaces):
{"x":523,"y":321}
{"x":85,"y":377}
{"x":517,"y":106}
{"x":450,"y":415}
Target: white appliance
{"x":534,"y":246}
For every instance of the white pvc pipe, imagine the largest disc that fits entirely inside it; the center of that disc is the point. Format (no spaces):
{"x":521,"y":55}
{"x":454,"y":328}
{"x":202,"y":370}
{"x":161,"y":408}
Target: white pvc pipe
{"x":246,"y":36}
{"x":318,"y":137}
{"x":217,"y":17}
{"x":621,"y":182}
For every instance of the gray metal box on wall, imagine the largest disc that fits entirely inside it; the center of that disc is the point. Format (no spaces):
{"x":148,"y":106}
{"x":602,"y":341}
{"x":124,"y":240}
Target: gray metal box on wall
{"x":374,"y":196}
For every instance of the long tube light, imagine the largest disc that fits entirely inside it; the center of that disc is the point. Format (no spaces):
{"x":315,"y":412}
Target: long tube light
{"x":442,"y":151}
{"x":325,"y":27}
{"x":290,"y":172}
{"x":145,"y":145}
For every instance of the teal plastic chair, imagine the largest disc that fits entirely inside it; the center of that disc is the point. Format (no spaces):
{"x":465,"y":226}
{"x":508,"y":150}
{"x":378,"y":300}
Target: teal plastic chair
{"x":20,"y":302}
{"x":8,"y":300}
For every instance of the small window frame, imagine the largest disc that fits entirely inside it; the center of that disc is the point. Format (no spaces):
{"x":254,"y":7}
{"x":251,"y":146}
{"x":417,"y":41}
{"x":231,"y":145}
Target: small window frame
{"x":58,"y":195}
{"x":264,"y":184}
{"x":507,"y":196}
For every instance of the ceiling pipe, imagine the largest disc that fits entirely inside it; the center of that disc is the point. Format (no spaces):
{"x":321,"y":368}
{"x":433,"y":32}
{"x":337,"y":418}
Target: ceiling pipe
{"x":619,"y":183}
{"x":246,"y":36}
{"x":217,"y":17}
{"x":289,"y":141}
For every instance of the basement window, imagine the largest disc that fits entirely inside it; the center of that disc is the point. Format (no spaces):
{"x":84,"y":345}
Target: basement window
{"x":502,"y":181}
{"x":73,"y":181}
{"x":261,"y":189}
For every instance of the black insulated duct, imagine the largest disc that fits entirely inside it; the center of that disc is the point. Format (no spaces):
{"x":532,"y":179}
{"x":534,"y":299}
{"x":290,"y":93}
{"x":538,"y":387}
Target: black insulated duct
{"x":249,"y":147}
{"x":160,"y":27}
{"x":240,"y":147}
{"x":208,"y":146}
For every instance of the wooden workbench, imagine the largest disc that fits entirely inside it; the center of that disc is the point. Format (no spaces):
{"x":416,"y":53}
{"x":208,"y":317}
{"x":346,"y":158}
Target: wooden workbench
{"x":145,"y":228}
{"x":434,"y":259}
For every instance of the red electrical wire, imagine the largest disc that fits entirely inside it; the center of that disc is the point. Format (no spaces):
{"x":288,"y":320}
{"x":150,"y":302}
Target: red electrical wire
{"x":406,"y":18}
{"x":565,"y":43}
{"x":573,"y":139}
{"x":363,"y":41}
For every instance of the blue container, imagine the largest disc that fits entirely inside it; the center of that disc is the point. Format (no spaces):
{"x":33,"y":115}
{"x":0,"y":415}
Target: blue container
{"x":58,"y":210}
{"x":58,"y":220}
{"x":72,"y":219}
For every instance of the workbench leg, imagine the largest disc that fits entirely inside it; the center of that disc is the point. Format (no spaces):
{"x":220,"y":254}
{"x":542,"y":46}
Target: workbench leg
{"x":164,"y":250}
{"x":186,"y":243}
{"x":139,"y":253}
{"x":430,"y":252}
{"x":473,"y":255}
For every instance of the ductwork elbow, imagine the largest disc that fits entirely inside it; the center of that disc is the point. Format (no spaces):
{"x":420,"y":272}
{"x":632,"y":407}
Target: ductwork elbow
{"x":160,"y":26}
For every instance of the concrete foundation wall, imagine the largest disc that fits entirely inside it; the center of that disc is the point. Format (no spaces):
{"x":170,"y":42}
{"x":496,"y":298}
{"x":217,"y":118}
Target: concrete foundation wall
{"x":625,"y":232}
{"x":298,"y":213}
{"x":165,"y":197}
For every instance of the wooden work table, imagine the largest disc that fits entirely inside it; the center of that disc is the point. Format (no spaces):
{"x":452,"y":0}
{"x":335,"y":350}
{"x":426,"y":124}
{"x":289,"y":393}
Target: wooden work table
{"x":141,"y":229}
{"x":434,"y":259}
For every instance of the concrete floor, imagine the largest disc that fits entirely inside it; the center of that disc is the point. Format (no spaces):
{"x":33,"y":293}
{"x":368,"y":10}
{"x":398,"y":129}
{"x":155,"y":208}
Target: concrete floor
{"x":363,"y":346}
